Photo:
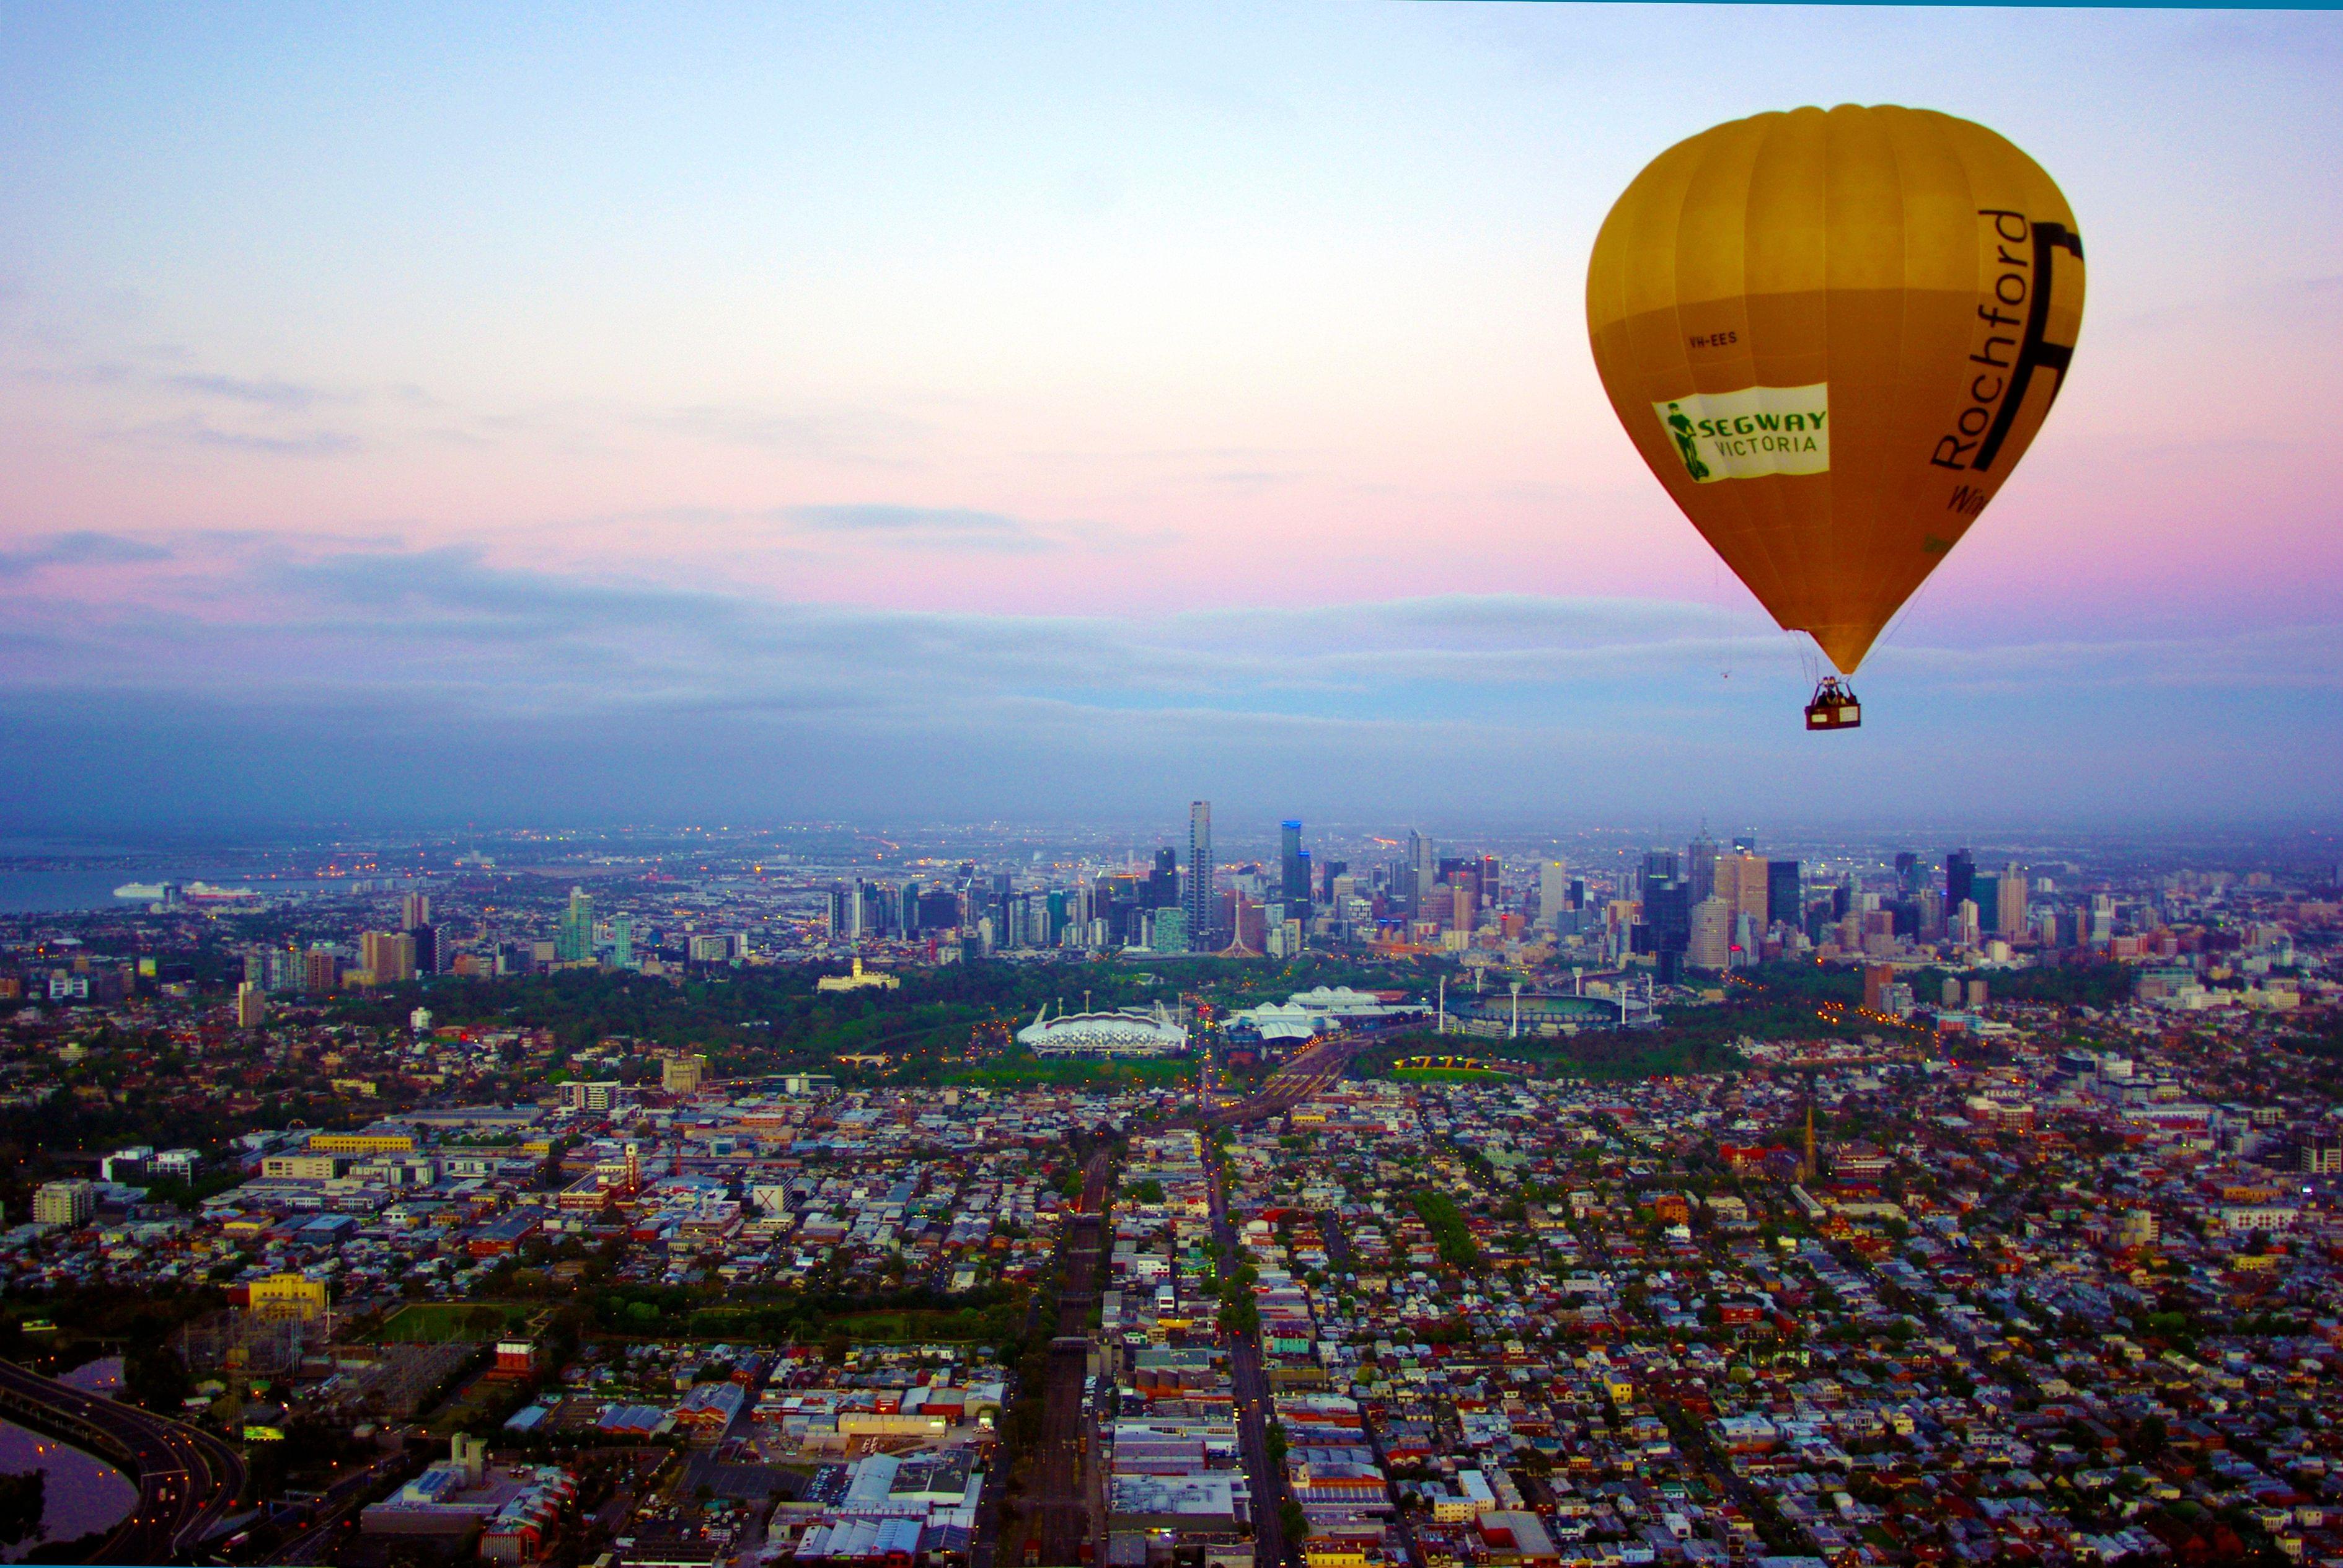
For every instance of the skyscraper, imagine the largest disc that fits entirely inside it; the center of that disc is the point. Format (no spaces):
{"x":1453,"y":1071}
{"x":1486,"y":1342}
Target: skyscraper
{"x":417,"y":911}
{"x":1783,"y":900}
{"x":1164,"y":882}
{"x":1295,"y":881}
{"x":1659,"y":866}
{"x":1197,"y":895}
{"x":1553,"y":889}
{"x":1709,"y":943}
{"x":1423,"y":872}
{"x":1700,"y":866}
{"x":1745,"y":884}
{"x":622,"y":941}
{"x":1960,"y":877}
{"x":1667,"y":916}
{"x":573,"y":940}
{"x":2010,"y":893}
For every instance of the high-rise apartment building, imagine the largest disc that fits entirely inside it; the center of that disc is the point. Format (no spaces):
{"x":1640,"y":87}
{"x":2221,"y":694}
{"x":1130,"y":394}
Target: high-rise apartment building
{"x":388,"y":956}
{"x":251,"y":1005}
{"x":416,"y":911}
{"x":64,"y":1203}
{"x":622,"y":941}
{"x":573,"y":940}
{"x":1169,"y":931}
{"x":1198,"y":897}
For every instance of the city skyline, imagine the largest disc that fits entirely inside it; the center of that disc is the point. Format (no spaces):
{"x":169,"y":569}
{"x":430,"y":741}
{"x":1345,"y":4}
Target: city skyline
{"x":1055,"y":413}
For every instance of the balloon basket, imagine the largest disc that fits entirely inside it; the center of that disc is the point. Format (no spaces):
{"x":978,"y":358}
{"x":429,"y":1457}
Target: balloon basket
{"x":1834,"y":707}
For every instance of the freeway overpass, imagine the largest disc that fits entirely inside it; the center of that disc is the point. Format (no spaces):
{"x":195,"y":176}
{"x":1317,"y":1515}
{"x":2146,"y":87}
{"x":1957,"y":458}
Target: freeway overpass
{"x":189,"y":1480}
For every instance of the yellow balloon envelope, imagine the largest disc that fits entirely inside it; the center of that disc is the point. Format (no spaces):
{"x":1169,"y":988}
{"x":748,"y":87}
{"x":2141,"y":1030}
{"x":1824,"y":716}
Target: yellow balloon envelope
{"x":1831,"y":336}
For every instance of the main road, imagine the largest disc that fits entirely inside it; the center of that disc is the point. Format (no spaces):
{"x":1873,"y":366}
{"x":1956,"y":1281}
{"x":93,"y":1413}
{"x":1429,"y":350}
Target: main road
{"x":1265,"y":1479}
{"x":189,"y":1480}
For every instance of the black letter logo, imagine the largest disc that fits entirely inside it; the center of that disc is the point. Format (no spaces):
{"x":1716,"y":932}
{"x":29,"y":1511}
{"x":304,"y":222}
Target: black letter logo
{"x":2032,"y":352}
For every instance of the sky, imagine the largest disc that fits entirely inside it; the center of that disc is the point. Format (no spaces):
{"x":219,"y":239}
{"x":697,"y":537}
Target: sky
{"x":581,"y":413}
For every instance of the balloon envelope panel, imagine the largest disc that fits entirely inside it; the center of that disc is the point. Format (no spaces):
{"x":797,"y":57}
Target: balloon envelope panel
{"x":1832,"y":334}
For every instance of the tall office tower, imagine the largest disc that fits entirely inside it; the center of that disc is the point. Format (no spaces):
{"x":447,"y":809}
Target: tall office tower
{"x":1709,"y":943}
{"x":1785,"y":900}
{"x":908,"y":919}
{"x":1553,"y":890}
{"x":417,"y":912}
{"x":1960,"y":877}
{"x":573,"y":940}
{"x":1984,"y":892}
{"x":622,"y":941}
{"x":1929,"y":914}
{"x":1197,"y":896}
{"x":1327,"y":870}
{"x":1659,"y":866}
{"x":427,"y":949}
{"x":1741,"y":880}
{"x":1164,"y":882}
{"x":1966,"y":929}
{"x":1421,"y":872}
{"x":1910,"y":877}
{"x":1294,"y":884}
{"x":1667,"y":916}
{"x":1493,"y":889}
{"x":2010,"y":917}
{"x":1700,"y":866}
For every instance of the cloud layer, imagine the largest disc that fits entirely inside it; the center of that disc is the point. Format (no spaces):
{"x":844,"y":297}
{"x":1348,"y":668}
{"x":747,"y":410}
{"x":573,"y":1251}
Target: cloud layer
{"x":283,"y":674}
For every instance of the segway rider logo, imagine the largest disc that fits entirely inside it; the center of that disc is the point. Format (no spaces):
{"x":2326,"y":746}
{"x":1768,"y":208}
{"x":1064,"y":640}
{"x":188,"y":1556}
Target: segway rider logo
{"x":1686,"y":445}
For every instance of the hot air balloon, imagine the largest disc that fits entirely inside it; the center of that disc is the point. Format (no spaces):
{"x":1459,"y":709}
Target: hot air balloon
{"x":1831,"y":336}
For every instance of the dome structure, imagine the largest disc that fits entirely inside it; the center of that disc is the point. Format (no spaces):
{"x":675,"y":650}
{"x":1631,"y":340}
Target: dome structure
{"x":1125,"y":1031}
